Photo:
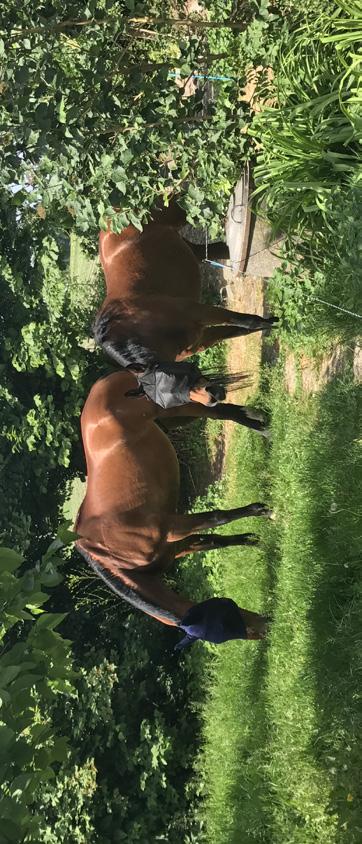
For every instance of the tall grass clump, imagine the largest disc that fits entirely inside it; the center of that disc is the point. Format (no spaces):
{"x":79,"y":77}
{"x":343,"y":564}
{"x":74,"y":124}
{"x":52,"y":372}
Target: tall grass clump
{"x":309,"y":174}
{"x":311,"y":143}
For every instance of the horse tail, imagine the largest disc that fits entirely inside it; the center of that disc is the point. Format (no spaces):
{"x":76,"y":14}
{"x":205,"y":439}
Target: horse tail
{"x":129,"y":589}
{"x":127,"y":352}
{"x":228,"y":380}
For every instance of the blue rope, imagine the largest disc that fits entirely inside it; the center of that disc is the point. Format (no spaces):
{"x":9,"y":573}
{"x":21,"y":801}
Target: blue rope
{"x":215,"y":264}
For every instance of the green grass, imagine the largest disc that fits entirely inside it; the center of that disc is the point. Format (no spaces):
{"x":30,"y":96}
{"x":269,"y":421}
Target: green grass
{"x":74,"y":498}
{"x":282,"y":721}
{"x":85,"y":277}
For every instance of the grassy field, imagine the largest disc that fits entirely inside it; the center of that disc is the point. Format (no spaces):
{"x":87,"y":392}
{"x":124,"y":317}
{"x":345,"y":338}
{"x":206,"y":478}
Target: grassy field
{"x":283,"y":718}
{"x":84,"y":275}
{"x":86,"y":285}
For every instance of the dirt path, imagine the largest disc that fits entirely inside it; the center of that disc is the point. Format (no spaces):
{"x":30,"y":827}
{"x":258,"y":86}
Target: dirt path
{"x":315,"y":373}
{"x":247,"y":294}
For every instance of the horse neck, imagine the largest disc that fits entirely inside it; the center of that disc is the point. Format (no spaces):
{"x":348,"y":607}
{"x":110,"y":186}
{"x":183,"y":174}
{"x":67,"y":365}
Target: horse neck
{"x":146,"y":592}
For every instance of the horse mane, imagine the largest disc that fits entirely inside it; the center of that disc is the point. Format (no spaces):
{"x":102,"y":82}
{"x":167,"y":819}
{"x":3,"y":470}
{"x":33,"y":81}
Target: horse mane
{"x":109,"y":331}
{"x":126,"y":592}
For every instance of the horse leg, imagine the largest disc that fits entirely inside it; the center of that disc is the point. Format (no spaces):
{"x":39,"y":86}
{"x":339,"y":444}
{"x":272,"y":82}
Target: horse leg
{"x":216,"y":251}
{"x":216,"y":334}
{"x":231,"y":412}
{"x":169,"y":423}
{"x":212,"y":336}
{"x":210,"y":542}
{"x":183,"y":525}
{"x":211,"y":315}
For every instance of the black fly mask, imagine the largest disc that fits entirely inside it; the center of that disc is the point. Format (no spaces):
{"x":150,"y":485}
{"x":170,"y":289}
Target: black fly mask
{"x":169,"y":384}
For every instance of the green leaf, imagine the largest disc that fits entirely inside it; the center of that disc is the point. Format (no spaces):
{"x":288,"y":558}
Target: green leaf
{"x":37,"y":599}
{"x":49,"y":620}
{"x":23,"y":615}
{"x":60,"y":750}
{"x":40,"y":732}
{"x":9,"y":559}
{"x":22,"y":783}
{"x":62,"y":686}
{"x":25,"y":681}
{"x":7,"y":736}
{"x":10,"y":830}
{"x":195,"y":193}
{"x":66,"y":536}
{"x":8,"y":674}
{"x":51,"y":577}
{"x":54,"y":546}
{"x":4,"y":698}
{"x":127,"y":156}
{"x":22,"y":753}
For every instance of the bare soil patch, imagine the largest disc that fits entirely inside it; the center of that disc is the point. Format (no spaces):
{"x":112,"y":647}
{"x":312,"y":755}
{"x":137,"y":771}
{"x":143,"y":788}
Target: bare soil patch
{"x":315,"y":373}
{"x":246,"y":295}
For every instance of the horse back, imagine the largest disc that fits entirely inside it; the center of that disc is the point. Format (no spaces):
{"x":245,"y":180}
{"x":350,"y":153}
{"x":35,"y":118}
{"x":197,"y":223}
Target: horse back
{"x":156,"y":261}
{"x":132,"y":469}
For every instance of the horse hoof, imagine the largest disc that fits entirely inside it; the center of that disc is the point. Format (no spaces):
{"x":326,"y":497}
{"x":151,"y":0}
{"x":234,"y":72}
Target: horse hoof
{"x":257,"y":415}
{"x":251,"y":539}
{"x":259,"y":509}
{"x":267,"y":434}
{"x":263,"y":510}
{"x":270,"y":514}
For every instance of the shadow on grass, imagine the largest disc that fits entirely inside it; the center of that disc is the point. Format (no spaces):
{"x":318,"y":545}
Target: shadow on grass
{"x":250,"y":794}
{"x":335,"y":467}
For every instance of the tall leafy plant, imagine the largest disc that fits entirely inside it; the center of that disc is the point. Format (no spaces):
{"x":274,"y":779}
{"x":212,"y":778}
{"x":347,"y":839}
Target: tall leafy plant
{"x":311,"y":140}
{"x":35,"y":667}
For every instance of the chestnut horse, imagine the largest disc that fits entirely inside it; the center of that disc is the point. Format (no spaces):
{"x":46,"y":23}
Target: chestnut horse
{"x":152,"y":311}
{"x":128,"y":527}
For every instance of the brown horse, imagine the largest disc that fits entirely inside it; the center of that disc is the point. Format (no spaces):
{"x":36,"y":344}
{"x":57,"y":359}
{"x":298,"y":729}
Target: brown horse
{"x":152,"y":311}
{"x":128,"y":527}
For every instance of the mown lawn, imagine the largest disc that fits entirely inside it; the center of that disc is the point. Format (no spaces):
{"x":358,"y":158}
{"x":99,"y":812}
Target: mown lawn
{"x":283,"y":720}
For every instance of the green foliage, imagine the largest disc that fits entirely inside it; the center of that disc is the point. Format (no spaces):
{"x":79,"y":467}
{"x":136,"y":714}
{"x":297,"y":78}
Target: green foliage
{"x":311,"y":142}
{"x":67,"y":806}
{"x":327,"y":267}
{"x":45,"y":370}
{"x":35,"y":668}
{"x":130,"y":756}
{"x":91,"y":119}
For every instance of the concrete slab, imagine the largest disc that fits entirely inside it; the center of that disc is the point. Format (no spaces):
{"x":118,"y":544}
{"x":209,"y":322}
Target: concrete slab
{"x":248,"y":236}
{"x":237,"y":225}
{"x":263,"y":257}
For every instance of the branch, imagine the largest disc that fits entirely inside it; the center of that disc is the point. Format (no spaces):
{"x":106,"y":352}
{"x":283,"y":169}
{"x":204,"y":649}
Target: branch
{"x":56,"y":27}
{"x":195,"y":24}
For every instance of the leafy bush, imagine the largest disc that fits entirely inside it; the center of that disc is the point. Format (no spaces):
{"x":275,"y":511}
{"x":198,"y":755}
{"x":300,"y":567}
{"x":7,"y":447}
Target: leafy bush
{"x":92,"y":119}
{"x":36,"y":667}
{"x":326,"y":268}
